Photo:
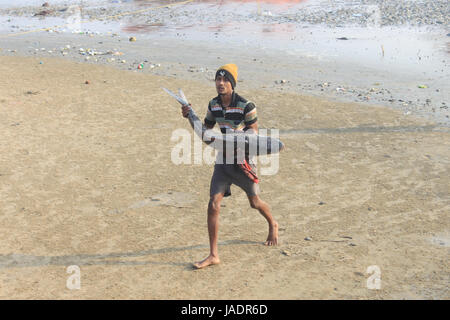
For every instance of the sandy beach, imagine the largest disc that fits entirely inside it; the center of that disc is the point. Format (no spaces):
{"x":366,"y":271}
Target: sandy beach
{"x":86,"y":177}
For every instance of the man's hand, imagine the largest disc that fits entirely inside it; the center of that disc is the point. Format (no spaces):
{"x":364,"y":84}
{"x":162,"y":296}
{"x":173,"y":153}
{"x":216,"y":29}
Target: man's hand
{"x":185,"y":110}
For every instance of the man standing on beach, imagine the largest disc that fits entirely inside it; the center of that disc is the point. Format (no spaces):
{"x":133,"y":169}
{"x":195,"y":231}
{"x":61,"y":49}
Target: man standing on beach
{"x":232,"y":113}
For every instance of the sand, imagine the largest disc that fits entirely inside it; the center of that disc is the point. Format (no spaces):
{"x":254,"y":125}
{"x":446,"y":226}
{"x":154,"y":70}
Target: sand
{"x":86,"y":179}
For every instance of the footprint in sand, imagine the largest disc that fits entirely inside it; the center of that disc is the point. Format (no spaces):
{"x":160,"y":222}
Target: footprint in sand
{"x":171,"y":199}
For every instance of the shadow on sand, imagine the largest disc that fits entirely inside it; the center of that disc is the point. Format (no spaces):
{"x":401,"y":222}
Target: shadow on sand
{"x":22,"y":261}
{"x":368,"y":129}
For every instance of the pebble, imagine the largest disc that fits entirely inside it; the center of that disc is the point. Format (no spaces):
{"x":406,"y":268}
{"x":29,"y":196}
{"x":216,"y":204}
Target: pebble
{"x":308,"y":239}
{"x":286,"y":253}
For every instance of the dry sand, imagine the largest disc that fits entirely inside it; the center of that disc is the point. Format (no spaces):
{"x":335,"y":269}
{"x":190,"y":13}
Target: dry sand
{"x":86,"y":179}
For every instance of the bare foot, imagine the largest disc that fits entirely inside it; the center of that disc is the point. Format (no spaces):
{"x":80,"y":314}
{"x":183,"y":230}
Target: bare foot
{"x":210,"y":260}
{"x":272,"y":238}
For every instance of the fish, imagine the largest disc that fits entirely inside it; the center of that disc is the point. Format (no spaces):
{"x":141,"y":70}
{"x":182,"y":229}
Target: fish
{"x":251,"y":143}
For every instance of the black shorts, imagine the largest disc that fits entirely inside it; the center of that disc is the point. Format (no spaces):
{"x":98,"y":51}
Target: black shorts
{"x":227,"y":174}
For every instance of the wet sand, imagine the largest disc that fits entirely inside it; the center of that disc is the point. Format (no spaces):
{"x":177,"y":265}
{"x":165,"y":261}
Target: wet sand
{"x":86,"y":179}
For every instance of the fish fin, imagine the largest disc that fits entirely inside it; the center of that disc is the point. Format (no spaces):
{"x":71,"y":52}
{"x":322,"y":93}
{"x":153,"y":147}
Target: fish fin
{"x":179,"y":99}
{"x":182,"y":95}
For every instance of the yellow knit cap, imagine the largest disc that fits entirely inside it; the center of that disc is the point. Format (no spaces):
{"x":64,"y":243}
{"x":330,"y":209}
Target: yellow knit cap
{"x":231,"y":73}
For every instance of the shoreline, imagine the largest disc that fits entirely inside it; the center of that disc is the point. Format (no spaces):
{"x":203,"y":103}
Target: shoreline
{"x":380,"y":62}
{"x":260,"y":69}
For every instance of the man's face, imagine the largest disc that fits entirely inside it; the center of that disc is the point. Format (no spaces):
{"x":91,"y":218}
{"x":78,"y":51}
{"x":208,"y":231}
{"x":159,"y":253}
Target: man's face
{"x":223,"y":86}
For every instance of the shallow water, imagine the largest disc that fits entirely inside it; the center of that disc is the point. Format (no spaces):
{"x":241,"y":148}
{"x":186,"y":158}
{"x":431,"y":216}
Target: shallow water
{"x":22,"y":3}
{"x":420,"y":50}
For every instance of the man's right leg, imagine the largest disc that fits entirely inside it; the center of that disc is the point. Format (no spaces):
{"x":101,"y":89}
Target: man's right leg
{"x":220,"y":184}
{"x":213,"y":231}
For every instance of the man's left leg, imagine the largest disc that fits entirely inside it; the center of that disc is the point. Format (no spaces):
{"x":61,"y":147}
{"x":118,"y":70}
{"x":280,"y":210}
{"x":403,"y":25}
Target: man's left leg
{"x":263,"y":208}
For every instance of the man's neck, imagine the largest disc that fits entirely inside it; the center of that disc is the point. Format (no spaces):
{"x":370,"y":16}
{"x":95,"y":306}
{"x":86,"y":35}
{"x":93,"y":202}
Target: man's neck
{"x":226,"y":99}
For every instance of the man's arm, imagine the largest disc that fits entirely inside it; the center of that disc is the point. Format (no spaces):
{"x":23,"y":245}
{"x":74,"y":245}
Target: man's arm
{"x":252,"y":128}
{"x":250,"y":118}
